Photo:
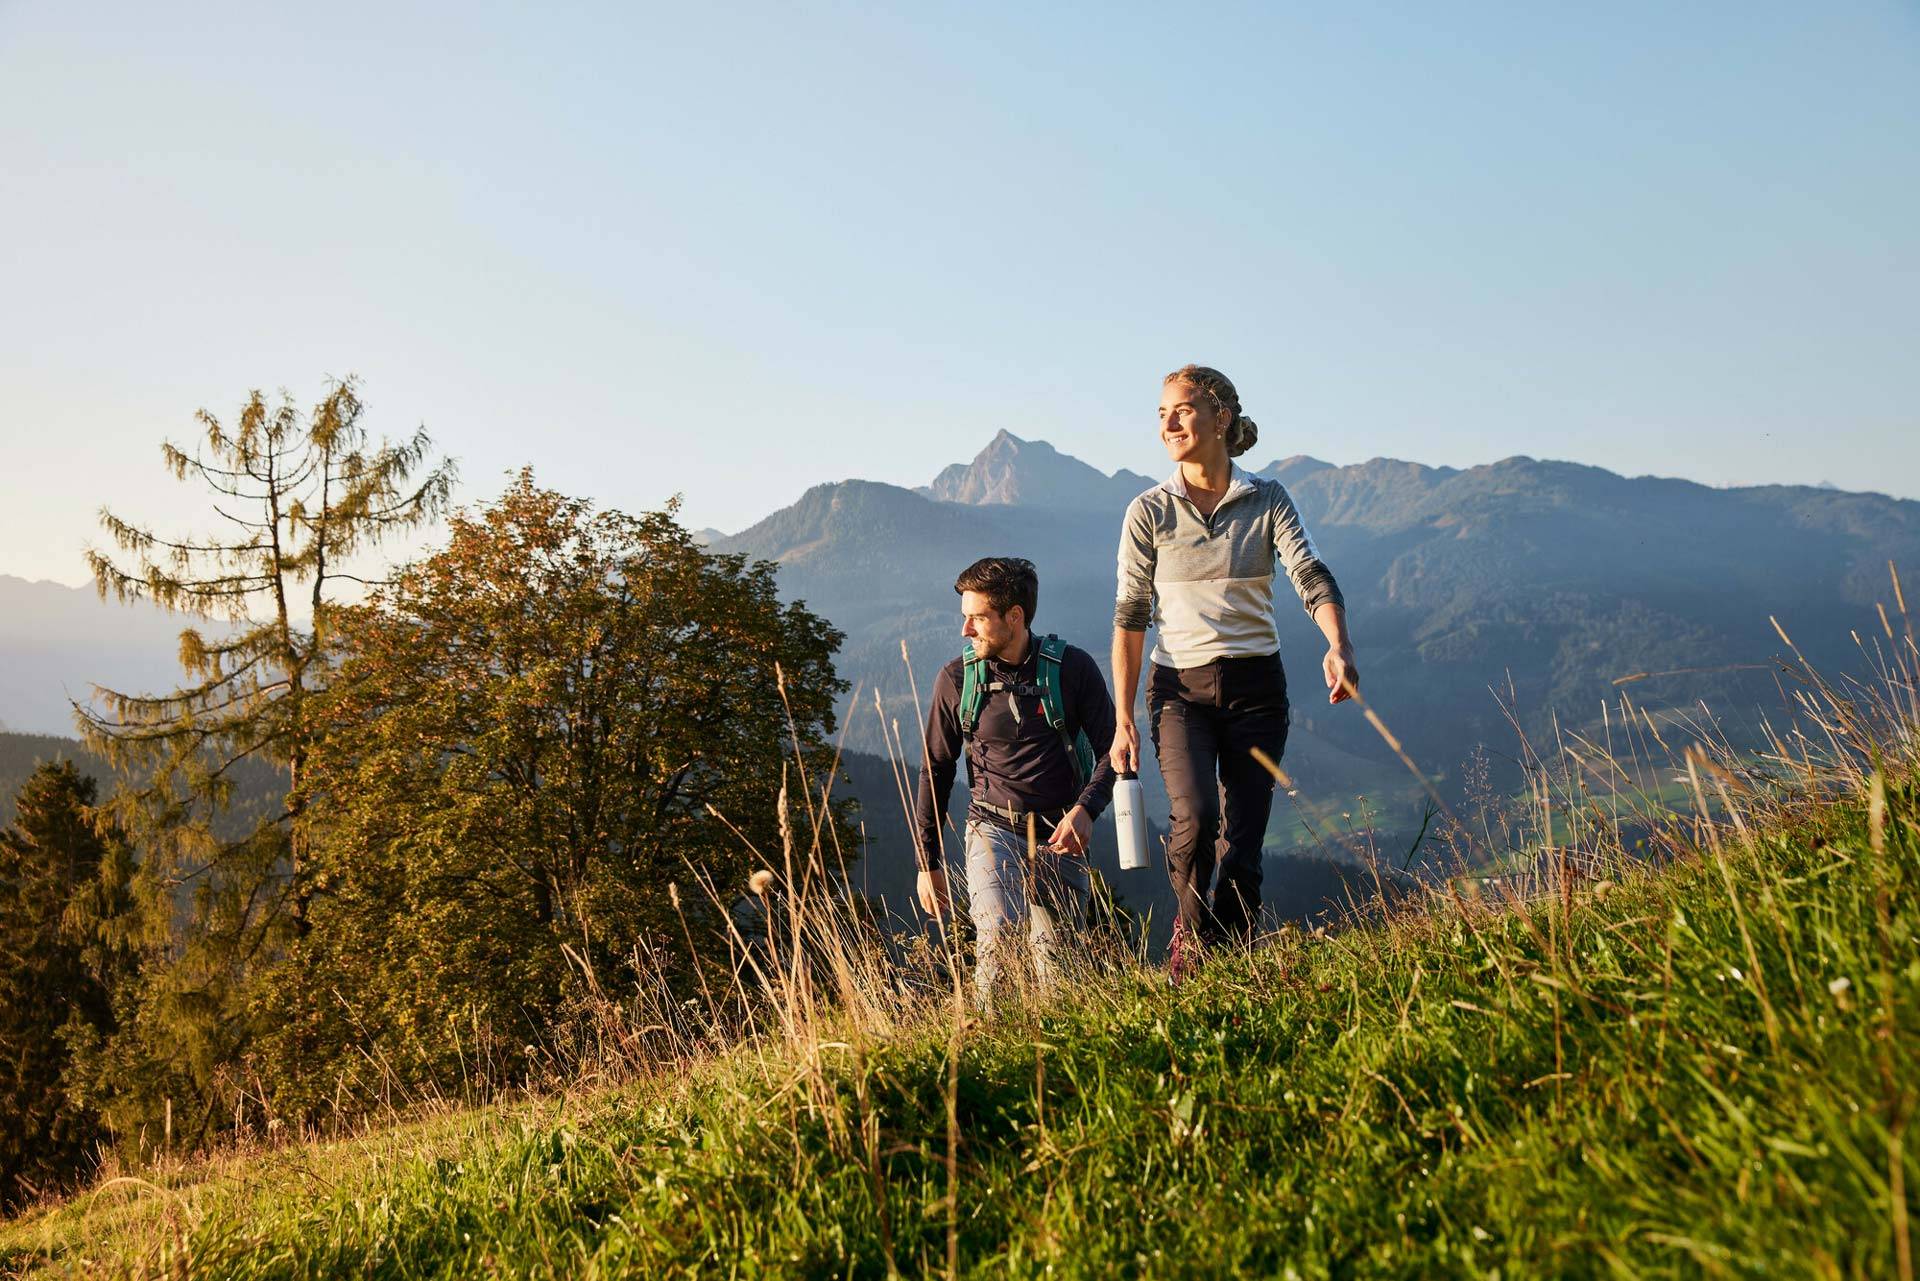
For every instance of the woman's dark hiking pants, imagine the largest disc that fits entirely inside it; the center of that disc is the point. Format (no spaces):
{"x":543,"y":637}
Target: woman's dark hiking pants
{"x":1205,"y":721}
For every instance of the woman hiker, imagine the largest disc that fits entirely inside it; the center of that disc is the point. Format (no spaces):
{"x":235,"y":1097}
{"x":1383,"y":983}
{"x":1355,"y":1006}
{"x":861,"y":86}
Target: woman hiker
{"x":1198,"y":554}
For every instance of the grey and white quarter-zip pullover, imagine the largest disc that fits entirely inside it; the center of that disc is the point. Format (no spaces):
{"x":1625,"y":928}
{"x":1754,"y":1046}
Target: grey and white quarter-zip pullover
{"x":1205,"y":583}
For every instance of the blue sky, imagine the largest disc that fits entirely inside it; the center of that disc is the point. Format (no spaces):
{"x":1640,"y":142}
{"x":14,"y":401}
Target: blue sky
{"x":730,"y":252}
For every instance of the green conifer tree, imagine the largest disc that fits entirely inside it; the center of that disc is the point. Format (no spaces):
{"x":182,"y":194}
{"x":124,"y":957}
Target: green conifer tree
{"x":57,"y":975}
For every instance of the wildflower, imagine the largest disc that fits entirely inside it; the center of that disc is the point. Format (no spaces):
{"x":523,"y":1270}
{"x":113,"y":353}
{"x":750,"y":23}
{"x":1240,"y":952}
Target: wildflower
{"x":759,"y":882}
{"x":1839,"y":985}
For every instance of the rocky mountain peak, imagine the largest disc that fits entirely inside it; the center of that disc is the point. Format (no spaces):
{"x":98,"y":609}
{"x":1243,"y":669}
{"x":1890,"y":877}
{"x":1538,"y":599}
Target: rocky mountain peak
{"x":1013,"y":472}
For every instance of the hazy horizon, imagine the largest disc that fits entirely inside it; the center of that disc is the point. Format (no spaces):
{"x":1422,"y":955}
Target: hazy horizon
{"x":1255,"y":460}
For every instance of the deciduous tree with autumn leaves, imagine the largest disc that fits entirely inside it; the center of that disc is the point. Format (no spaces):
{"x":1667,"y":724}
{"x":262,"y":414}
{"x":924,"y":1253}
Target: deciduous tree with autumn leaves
{"x":527,"y":737}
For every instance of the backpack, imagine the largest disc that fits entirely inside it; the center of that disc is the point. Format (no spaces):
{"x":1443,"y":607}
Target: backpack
{"x":975,"y":685}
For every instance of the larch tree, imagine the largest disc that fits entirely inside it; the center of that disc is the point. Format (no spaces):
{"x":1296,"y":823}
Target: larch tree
{"x":297,"y":498}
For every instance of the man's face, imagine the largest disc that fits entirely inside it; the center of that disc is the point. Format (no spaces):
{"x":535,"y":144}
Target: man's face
{"x":994,"y":634}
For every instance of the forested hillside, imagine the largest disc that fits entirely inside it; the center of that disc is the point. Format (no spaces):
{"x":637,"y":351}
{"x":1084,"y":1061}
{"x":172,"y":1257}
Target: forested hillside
{"x":21,"y":753}
{"x":261,"y":787}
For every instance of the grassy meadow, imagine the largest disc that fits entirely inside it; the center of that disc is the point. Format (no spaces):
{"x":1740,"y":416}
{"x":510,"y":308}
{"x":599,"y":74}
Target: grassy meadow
{"x":1689,"y":1059}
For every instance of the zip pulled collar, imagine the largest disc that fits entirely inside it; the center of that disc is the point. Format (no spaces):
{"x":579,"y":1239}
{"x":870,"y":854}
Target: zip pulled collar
{"x":1238,"y":483}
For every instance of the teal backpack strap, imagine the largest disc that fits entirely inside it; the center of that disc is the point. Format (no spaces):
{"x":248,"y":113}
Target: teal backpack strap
{"x":973,"y":691}
{"x":1052,"y":650}
{"x":1053,"y":702}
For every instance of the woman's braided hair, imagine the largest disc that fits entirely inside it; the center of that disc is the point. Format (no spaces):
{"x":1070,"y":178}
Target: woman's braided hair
{"x":1242,"y":431}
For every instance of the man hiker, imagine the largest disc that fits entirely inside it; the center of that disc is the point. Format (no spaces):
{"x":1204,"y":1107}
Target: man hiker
{"x":1036,"y":720}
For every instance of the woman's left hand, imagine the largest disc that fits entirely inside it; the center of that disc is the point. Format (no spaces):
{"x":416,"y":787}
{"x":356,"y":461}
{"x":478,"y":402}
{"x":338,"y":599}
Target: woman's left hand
{"x":1343,"y":675}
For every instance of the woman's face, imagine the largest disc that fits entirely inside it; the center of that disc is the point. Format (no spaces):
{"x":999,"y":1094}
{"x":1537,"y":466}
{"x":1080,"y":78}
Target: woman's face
{"x":1191,"y":425}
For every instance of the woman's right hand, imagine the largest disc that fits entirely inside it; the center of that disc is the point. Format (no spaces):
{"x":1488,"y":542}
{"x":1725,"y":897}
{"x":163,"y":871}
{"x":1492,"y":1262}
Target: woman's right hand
{"x":1125,"y":754}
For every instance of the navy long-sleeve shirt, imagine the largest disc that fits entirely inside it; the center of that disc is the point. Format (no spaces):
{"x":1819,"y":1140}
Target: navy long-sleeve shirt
{"x":1017,"y":764}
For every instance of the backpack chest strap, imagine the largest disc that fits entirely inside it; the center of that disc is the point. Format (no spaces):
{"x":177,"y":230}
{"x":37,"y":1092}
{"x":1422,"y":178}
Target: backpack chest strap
{"x":977,"y":683}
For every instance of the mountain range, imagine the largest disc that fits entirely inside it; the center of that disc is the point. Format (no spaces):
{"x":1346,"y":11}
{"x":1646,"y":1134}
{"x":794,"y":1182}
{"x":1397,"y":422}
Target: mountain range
{"x":57,"y":642}
{"x":1519,"y":591}
{"x":1481,"y":599}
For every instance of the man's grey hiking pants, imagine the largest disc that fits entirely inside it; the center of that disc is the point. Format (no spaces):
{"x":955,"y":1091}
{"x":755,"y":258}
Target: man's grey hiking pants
{"x":1205,"y":721}
{"x":1008,"y":888}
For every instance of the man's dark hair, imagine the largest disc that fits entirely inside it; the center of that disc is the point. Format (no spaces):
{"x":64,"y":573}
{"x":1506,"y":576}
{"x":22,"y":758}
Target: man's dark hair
{"x":1005,"y":581}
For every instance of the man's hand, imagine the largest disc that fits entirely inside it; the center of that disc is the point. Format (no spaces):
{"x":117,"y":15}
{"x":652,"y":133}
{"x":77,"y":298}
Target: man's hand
{"x":1125,"y":753}
{"x":1071,"y":834}
{"x":932,"y":889}
{"x":1343,"y":676}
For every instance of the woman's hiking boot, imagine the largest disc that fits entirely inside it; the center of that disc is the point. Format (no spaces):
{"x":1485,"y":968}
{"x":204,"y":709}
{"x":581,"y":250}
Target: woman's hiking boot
{"x":1184,"y":954}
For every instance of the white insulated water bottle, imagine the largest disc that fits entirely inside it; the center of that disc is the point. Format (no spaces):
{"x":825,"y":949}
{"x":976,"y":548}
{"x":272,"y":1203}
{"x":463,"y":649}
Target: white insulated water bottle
{"x":1130,"y":822}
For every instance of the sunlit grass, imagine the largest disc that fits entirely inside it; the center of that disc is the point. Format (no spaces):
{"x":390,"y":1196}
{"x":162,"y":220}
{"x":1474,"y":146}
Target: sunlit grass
{"x":1695,"y":1063}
